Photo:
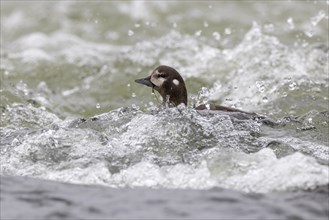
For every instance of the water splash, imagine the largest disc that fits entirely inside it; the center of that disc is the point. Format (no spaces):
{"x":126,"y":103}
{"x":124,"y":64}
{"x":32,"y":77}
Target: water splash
{"x":178,"y":147}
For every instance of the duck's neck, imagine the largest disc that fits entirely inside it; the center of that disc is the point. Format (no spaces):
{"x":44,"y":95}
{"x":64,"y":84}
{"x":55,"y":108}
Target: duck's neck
{"x":175,"y":97}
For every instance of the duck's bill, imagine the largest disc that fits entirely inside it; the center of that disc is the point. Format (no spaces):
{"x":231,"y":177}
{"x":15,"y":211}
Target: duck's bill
{"x":145,"y":81}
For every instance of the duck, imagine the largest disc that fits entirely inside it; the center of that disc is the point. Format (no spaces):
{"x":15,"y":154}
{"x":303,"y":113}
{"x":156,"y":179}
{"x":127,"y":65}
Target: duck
{"x":171,"y":86}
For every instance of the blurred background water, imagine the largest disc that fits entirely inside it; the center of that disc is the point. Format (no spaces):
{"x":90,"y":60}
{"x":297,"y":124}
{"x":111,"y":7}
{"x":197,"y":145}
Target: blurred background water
{"x":71,"y":112}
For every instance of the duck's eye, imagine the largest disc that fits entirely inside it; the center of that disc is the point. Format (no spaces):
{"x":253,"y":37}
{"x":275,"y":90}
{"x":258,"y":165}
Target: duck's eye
{"x":163,"y":75}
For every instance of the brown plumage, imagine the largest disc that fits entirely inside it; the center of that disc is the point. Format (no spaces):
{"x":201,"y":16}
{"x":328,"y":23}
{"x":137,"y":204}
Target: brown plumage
{"x":170,"y":85}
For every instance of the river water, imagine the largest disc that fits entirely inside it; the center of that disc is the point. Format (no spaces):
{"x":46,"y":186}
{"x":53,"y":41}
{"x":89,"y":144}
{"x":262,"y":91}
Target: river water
{"x":71,"y":112}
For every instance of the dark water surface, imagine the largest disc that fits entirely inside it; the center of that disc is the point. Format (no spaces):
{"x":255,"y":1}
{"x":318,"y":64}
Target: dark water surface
{"x":27,"y":198}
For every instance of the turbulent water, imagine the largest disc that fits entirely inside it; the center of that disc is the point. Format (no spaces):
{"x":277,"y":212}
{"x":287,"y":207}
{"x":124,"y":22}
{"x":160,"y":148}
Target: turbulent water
{"x":71,"y":112}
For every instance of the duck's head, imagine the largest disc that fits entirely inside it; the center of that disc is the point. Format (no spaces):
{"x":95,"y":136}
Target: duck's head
{"x":169,"y":83}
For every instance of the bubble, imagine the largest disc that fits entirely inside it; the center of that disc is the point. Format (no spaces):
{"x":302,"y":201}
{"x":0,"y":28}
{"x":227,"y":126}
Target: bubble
{"x":130,"y":33}
{"x":216,"y":35}
{"x":133,"y":95}
{"x":137,"y":25}
{"x":174,"y":25}
{"x":98,"y":105}
{"x":128,"y":85}
{"x":265,"y":99}
{"x":96,"y":21}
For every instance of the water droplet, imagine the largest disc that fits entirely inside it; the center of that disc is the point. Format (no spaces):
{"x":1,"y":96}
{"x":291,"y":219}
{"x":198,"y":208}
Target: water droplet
{"x":133,"y":95}
{"x":98,"y":105}
{"x":227,"y":31}
{"x":203,"y":96}
{"x":112,"y":35}
{"x":260,"y":85}
{"x":208,"y":106}
{"x":204,"y":92}
{"x":316,"y":89}
{"x":269,"y":27}
{"x":316,"y":19}
{"x":309,"y":33}
{"x":137,"y":25}
{"x":205,"y":24}
{"x":174,"y":25}
{"x":290,"y":22}
{"x":135,"y":107}
{"x":130,"y":33}
{"x":128,"y":85}
{"x":216,"y":35}
{"x":265,"y":99}
{"x":310,"y":120}
{"x":292,"y":86}
{"x":96,"y":21}
{"x":210,"y":6}
{"x":198,"y":33}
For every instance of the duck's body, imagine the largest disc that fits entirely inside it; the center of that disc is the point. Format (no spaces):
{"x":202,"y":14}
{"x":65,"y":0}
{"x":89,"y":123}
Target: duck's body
{"x":171,"y":86}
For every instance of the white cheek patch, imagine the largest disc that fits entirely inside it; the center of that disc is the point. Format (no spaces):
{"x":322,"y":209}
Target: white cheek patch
{"x":157,"y":81}
{"x":176,"y":82}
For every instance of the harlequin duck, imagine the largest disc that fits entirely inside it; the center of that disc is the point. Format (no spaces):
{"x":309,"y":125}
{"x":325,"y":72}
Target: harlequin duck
{"x":169,"y":83}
